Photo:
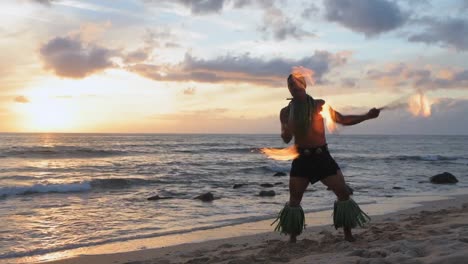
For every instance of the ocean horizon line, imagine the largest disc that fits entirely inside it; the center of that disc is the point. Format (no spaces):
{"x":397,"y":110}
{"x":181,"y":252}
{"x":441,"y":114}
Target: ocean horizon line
{"x":217,"y":133}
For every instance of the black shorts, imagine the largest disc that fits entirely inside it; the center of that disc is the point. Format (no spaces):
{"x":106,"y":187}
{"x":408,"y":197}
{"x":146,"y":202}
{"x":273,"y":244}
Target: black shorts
{"x":313,"y":164}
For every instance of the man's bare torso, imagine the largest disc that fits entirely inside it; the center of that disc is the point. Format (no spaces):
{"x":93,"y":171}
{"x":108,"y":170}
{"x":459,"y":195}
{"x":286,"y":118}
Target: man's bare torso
{"x":315,"y":134}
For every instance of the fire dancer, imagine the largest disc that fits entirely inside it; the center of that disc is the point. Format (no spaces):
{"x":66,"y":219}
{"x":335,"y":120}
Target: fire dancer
{"x":301,"y":119}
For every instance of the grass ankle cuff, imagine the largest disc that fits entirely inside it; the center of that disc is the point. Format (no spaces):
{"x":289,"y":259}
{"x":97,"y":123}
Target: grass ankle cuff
{"x":348,"y":214}
{"x":291,"y":220}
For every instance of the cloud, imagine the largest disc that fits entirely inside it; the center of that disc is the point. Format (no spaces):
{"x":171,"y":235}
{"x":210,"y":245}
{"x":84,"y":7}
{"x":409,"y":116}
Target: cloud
{"x":417,"y":3}
{"x":44,"y":2}
{"x":451,"y":32}
{"x":204,"y":7}
{"x":189,"y":91}
{"x":280,"y":26}
{"x":422,"y":78}
{"x":310,"y":11}
{"x":464,"y":4}
{"x":21,"y":99}
{"x":349,"y":82}
{"x":156,"y":37}
{"x":70,"y":57}
{"x":91,"y":31}
{"x":274,"y":23}
{"x":196,"y":7}
{"x":137,"y":56}
{"x":242,"y":68}
{"x":371,"y":17}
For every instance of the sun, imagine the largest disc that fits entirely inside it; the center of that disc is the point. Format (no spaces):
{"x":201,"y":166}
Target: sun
{"x":45,"y":114}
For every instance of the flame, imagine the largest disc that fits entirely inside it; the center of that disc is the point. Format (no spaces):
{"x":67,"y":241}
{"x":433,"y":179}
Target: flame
{"x":288,"y":153}
{"x":326,"y":113}
{"x":308,"y":74}
{"x":420,"y":105}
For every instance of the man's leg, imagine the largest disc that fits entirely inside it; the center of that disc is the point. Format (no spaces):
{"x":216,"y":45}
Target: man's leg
{"x":337,"y":184}
{"x":297,"y":187}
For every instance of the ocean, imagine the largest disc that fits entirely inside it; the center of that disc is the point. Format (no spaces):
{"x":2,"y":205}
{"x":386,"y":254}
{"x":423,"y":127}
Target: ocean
{"x":65,"y":191}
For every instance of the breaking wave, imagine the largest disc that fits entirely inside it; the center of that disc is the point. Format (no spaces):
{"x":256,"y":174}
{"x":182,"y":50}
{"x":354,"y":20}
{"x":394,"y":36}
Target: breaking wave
{"x":85,"y":186}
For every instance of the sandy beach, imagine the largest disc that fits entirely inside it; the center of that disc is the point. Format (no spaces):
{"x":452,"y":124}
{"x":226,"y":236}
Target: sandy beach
{"x":435,"y":232}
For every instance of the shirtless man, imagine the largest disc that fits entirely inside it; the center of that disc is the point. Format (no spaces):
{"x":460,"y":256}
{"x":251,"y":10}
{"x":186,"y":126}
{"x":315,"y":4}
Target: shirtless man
{"x":301,"y":119}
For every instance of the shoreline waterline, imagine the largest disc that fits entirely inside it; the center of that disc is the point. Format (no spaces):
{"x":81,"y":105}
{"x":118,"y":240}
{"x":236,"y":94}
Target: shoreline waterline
{"x":383,"y":207}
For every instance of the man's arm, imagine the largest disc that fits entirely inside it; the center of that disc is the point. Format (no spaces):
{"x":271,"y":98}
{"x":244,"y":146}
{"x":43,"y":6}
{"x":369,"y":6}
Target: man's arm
{"x":286,"y":134}
{"x":349,"y":120}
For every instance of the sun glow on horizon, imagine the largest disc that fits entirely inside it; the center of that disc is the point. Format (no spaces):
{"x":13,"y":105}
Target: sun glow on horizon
{"x":110,"y":100}
{"x":45,"y":114}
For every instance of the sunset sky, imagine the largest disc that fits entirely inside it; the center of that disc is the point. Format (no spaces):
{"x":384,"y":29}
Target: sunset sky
{"x":220,"y":66}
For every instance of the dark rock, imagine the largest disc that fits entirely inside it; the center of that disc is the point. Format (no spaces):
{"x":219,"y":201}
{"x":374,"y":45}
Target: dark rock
{"x":278,"y":183}
{"x":397,"y":188}
{"x":267,"y":193}
{"x":157,"y":197}
{"x":443,"y":178}
{"x":238,"y":185}
{"x":206,"y":197}
{"x":279,"y":174}
{"x":267,"y":185}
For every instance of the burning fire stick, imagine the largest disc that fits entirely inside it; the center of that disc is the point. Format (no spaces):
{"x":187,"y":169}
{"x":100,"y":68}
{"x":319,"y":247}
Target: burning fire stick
{"x":418,"y":104}
{"x":283,"y":154}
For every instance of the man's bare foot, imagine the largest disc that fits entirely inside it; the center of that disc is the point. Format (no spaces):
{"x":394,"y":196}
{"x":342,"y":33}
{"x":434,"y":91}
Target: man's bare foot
{"x":292,"y":239}
{"x":348,"y":236}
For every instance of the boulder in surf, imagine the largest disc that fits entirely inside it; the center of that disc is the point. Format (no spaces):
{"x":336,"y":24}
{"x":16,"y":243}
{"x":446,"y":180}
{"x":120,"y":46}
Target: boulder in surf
{"x":444,"y":178}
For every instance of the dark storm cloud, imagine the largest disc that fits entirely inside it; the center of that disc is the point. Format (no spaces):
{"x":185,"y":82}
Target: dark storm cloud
{"x":371,"y":17}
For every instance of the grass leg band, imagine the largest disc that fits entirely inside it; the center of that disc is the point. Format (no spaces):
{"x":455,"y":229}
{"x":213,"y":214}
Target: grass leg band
{"x":348,"y":214}
{"x":291,"y":220}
